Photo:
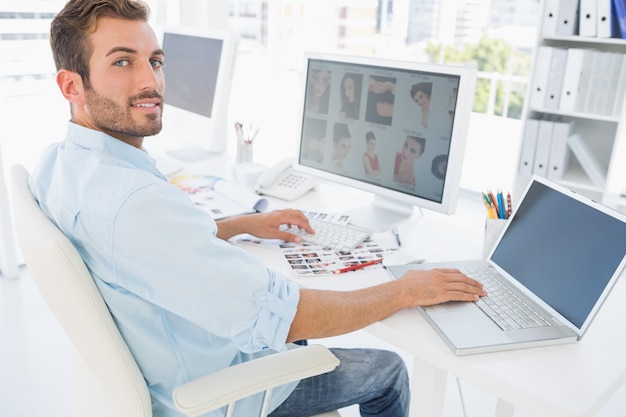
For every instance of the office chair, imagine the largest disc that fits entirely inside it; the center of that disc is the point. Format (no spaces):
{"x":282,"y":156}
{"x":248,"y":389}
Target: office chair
{"x":9,"y":267}
{"x":106,"y":380}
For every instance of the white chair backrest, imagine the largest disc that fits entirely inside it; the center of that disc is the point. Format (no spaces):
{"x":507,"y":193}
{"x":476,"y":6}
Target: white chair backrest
{"x":8,"y":253}
{"x":67,"y":286}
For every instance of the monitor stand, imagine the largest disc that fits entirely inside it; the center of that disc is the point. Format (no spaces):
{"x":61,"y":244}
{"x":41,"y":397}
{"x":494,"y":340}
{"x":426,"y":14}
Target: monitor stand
{"x":381,"y":215}
{"x":191,"y":154}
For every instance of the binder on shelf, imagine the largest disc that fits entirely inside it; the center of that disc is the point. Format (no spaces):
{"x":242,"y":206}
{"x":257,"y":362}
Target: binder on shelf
{"x":600,"y":97}
{"x":550,"y":17}
{"x":604,"y":18}
{"x":587,"y":21}
{"x":610,"y":82}
{"x":542,"y":150}
{"x":591,"y":166}
{"x":554,"y":81}
{"x":621,"y":87}
{"x":529,"y":142}
{"x":620,"y":17}
{"x":597,"y":88}
{"x":592,"y":71}
{"x":567,"y":23}
{"x":571,"y":79}
{"x":540,"y":78}
{"x":559,"y":150}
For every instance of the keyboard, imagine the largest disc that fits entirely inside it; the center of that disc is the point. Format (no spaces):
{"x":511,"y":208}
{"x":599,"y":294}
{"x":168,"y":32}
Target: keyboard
{"x":340,"y":237}
{"x":502,"y":305}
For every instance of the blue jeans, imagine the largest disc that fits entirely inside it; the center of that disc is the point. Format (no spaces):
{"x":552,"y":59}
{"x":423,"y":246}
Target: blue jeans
{"x":375,"y":379}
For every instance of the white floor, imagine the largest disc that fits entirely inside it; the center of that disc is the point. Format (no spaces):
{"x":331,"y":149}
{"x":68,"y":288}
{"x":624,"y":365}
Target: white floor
{"x":34,"y":362}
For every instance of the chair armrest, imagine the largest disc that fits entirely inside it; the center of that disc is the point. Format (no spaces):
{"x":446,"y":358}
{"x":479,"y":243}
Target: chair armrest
{"x":231,"y":384}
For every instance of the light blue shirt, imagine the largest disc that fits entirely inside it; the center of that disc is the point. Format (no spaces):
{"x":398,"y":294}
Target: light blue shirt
{"x":186,"y":302}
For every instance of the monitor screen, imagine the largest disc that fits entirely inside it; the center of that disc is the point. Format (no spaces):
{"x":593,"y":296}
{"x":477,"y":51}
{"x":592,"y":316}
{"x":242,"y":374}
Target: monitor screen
{"x":198,"y":76}
{"x":192,"y":58}
{"x":396,"y":129}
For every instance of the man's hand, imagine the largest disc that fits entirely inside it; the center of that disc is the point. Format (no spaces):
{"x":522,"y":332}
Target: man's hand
{"x":265,"y":225}
{"x":435,"y":286}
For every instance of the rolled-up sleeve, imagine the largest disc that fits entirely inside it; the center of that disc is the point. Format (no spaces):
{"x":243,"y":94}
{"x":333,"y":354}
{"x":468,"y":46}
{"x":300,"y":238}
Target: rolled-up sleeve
{"x":277,"y":310}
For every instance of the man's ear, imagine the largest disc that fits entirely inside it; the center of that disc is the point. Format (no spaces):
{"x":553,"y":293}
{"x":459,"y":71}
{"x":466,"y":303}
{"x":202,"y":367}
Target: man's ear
{"x":71,"y":85}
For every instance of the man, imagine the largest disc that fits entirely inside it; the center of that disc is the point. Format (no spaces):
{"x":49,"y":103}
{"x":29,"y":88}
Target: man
{"x":186,"y":301}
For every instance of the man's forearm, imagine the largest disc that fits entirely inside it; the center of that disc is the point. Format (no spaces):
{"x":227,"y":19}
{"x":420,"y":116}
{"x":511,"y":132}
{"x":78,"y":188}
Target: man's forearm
{"x":231,"y":226}
{"x":331,"y":313}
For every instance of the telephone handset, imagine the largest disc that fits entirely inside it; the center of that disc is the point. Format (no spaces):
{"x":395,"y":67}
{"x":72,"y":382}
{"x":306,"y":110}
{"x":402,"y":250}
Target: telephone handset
{"x":282,"y":181}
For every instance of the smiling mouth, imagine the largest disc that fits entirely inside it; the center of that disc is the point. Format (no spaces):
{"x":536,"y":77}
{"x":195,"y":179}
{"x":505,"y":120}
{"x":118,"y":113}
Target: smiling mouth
{"x":146,"y":105}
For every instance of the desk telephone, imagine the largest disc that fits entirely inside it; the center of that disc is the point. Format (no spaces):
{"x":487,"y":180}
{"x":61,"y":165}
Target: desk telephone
{"x":282,"y":181}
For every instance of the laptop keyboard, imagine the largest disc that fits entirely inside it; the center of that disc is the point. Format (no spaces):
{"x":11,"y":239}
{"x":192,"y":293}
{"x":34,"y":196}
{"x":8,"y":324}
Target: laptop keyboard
{"x":501,"y":305}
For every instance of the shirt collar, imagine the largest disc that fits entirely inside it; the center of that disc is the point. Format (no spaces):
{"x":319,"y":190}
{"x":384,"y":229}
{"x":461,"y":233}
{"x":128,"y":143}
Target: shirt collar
{"x":99,"y":141}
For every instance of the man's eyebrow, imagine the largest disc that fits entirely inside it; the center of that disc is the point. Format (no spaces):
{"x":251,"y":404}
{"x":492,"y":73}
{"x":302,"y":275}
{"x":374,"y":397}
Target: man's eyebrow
{"x":121,"y":49}
{"x":131,"y":51}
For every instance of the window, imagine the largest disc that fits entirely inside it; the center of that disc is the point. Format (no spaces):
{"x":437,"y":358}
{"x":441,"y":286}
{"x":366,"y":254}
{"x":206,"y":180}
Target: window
{"x":495,"y":36}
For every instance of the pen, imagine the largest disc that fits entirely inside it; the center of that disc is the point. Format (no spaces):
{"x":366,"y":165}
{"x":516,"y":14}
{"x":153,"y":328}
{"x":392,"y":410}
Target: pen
{"x":489,"y":206}
{"x":357,"y":267}
{"x":493,"y":209}
{"x":253,"y":135}
{"x":489,"y":210}
{"x":501,"y":211}
{"x":397,"y":235}
{"x":509,"y":206}
{"x":239,"y":130}
{"x":494,"y":203}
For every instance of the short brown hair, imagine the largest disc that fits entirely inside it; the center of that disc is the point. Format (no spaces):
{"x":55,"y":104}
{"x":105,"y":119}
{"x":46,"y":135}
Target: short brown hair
{"x":70,"y":28}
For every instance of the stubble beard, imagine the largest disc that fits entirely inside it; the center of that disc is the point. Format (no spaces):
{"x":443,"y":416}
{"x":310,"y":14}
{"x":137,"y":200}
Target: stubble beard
{"x":108,"y":116}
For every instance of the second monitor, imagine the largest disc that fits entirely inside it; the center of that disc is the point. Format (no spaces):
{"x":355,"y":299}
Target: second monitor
{"x":396,"y":129}
{"x":198,"y":71}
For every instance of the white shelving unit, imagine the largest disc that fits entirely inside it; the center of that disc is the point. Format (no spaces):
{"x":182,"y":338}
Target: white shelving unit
{"x":604,"y":135}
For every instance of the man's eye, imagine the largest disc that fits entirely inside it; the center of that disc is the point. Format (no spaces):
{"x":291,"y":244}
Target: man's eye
{"x":157,"y":63}
{"x":121,"y":63}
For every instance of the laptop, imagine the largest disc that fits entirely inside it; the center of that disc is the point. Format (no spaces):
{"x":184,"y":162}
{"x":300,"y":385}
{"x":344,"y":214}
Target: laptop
{"x":559,"y":253}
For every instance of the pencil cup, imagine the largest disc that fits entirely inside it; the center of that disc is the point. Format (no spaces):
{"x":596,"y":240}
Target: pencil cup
{"x":493,"y":229}
{"x":244,"y":152}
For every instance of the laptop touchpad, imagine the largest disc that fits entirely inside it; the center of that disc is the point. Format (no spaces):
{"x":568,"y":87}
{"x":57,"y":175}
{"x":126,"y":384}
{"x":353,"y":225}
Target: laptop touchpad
{"x":451,"y":307}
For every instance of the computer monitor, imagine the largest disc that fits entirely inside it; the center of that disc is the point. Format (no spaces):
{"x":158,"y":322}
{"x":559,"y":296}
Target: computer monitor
{"x":198,"y":71}
{"x":393,"y":128}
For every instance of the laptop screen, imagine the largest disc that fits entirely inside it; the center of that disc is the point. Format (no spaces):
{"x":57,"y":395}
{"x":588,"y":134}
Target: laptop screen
{"x":571,"y":250}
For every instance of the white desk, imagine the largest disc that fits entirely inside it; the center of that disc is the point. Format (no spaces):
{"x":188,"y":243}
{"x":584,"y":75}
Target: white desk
{"x":567,"y":380}
{"x":570,"y":380}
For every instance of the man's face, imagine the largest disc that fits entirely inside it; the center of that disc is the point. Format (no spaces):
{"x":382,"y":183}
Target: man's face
{"x":127,"y":81}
